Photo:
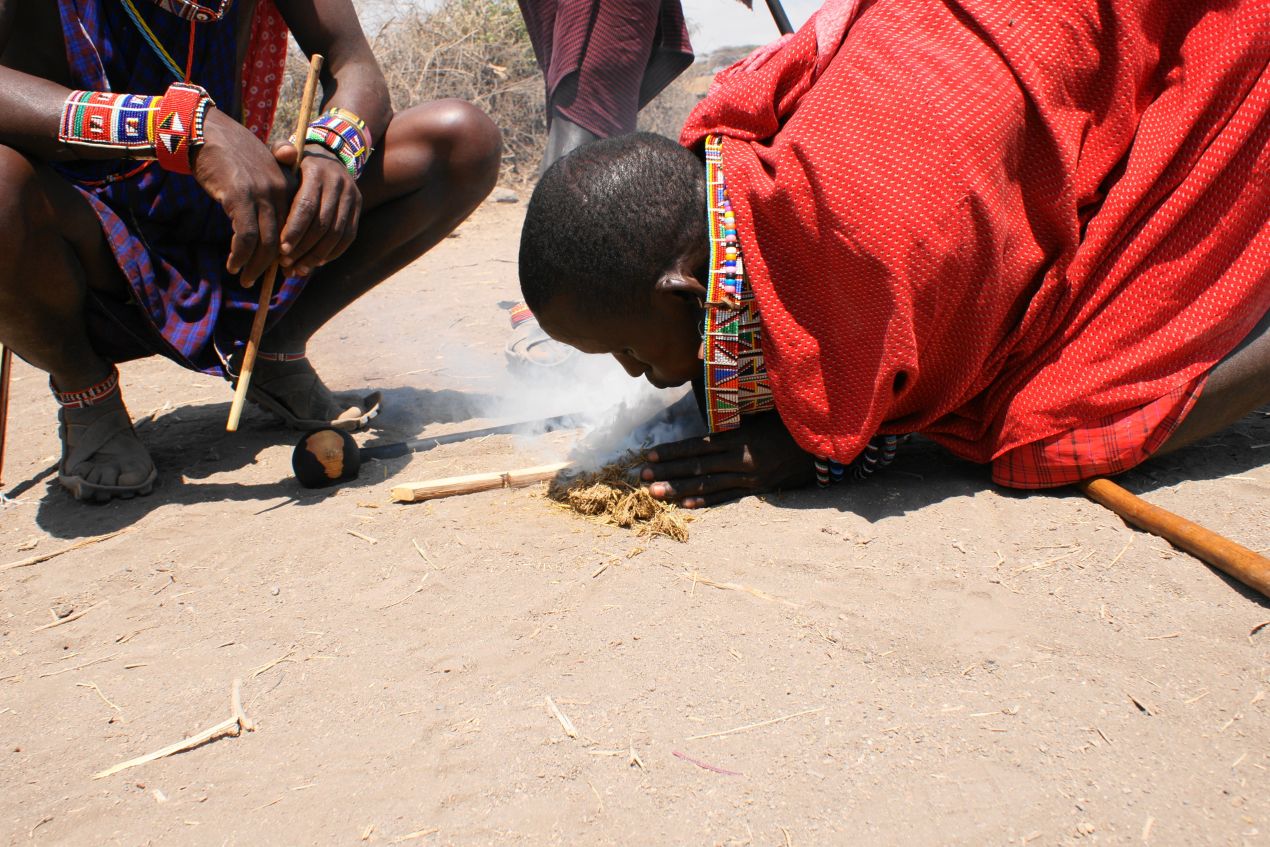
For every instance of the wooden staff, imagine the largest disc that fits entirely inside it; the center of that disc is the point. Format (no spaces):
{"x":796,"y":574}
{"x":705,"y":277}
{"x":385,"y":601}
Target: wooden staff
{"x":1250,"y":568}
{"x":414,"y":492}
{"x":267,"y":282}
{"x":6,"y":369}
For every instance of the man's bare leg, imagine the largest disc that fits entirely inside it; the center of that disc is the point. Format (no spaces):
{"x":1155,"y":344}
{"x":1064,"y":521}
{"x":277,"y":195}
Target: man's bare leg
{"x":1238,"y":385}
{"x":434,"y":165}
{"x":52,"y":252}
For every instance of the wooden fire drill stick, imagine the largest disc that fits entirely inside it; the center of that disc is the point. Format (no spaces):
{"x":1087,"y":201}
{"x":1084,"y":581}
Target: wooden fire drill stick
{"x":267,"y":281}
{"x":1250,"y":568}
{"x":6,"y":369}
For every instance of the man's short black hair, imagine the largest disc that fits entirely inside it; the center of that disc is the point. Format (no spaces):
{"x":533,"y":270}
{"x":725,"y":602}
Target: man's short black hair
{"x":609,"y":218}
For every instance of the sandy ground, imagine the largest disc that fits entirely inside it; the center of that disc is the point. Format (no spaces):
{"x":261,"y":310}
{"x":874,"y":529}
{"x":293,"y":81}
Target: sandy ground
{"x":922,"y":659}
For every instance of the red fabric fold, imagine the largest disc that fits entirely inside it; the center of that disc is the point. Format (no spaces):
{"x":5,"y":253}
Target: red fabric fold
{"x":994,"y":222}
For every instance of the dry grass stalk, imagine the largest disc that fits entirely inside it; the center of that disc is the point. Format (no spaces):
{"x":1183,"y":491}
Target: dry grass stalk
{"x":44,"y":557}
{"x":609,"y":495}
{"x":233,"y":726}
{"x":566,"y":724}
{"x":103,"y":697}
{"x":750,"y":726}
{"x":698,"y":579}
{"x":69,"y":618}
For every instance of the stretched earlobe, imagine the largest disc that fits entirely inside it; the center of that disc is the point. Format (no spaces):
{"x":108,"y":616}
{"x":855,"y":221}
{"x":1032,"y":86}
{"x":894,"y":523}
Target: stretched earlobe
{"x":683,"y":285}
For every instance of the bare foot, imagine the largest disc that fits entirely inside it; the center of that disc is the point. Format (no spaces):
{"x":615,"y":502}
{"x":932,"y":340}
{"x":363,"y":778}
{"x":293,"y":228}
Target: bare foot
{"x":102,"y":458}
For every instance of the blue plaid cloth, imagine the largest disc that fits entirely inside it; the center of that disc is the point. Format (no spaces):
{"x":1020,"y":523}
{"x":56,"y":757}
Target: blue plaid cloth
{"x":170,"y":239}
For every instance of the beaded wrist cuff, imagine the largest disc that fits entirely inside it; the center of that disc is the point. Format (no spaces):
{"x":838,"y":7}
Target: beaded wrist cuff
{"x":90,"y":396}
{"x":123,"y":122}
{"x":877,"y":454}
{"x":344,"y":134}
{"x":179,"y":127}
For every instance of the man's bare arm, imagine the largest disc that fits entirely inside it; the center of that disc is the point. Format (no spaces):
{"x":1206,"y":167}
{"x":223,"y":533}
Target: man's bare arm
{"x":31,"y":103}
{"x":351,"y":77}
{"x":326,"y":212}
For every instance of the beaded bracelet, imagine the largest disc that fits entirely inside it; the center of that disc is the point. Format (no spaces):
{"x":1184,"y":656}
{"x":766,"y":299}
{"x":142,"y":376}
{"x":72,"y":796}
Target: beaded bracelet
{"x":179,"y":129}
{"x":345,"y":135}
{"x":103,"y":119}
{"x":877,"y":454}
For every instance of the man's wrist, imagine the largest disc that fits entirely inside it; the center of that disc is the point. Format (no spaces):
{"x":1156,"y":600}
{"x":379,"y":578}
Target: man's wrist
{"x":179,"y":126}
{"x":345,"y":135}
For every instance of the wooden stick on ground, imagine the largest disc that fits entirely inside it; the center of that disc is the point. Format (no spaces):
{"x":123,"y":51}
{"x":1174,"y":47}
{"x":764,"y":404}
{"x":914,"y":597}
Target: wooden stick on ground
{"x":267,"y":281}
{"x":1250,"y":568}
{"x":6,"y":370}
{"x":414,"y":492}
{"x":232,"y":726}
{"x":44,"y":557}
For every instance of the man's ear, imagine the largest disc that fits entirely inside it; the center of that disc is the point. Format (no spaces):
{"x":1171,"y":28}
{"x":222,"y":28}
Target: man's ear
{"x":681,"y":286}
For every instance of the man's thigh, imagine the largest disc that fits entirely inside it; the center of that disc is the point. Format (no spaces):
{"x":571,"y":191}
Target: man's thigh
{"x":81,"y":229}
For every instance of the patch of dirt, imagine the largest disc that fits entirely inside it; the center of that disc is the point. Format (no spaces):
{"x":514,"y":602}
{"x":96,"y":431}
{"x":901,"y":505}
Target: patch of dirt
{"x":920,"y":659}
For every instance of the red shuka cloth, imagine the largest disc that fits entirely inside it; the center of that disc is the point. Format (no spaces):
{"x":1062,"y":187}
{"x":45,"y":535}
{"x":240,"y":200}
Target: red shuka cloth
{"x":998,"y":222}
{"x":604,"y":61}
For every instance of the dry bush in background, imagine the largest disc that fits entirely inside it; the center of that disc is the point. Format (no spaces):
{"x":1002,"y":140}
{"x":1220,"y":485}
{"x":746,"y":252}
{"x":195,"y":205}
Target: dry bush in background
{"x":479,"y":51}
{"x":475,"y":50}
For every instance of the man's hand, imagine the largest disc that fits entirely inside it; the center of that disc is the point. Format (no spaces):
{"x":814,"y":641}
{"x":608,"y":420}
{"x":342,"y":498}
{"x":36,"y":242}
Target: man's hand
{"x":758,"y":456}
{"x":239,"y":172}
{"x":325,"y":212}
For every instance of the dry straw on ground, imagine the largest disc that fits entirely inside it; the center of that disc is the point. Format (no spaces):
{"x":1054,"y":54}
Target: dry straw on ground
{"x":609,"y":494}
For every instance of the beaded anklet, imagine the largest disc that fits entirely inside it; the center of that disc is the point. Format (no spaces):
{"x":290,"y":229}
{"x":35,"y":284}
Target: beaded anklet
{"x":94,"y":395}
{"x":262,"y":356}
{"x":520,"y":313}
{"x":345,"y":135}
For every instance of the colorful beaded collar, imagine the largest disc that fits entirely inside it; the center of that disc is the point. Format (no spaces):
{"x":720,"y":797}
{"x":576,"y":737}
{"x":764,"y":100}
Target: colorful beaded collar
{"x":732,"y":352}
{"x":192,"y":10}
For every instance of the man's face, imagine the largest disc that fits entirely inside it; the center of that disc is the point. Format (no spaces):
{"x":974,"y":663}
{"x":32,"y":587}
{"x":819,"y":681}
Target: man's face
{"x":659,"y":339}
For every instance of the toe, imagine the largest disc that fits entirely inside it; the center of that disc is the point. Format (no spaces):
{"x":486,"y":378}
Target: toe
{"x":134,"y":473}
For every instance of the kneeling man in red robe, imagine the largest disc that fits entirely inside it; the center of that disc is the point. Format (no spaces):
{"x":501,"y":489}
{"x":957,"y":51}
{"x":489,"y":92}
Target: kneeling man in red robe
{"x":1035,"y":231}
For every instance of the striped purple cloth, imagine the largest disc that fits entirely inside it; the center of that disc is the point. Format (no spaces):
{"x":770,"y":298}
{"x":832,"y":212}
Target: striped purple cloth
{"x":603,"y":61}
{"x":168,"y":236}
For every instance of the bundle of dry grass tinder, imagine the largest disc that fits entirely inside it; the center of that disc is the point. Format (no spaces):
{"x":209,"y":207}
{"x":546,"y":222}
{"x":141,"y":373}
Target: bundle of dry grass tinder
{"x":609,"y":494}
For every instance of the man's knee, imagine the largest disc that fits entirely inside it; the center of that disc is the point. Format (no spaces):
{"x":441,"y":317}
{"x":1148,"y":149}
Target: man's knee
{"x":23,"y":206}
{"x":464,"y":142}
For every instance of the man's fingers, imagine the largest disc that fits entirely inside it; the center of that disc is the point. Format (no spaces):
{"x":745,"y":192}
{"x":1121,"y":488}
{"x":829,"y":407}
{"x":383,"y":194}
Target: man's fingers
{"x":334,"y":216}
{"x":700,"y":486}
{"x":701,"y":465}
{"x":242,"y":245}
{"x":348,"y":228}
{"x":686,"y":449}
{"x":298,"y":236}
{"x":714,"y":499}
{"x":284,"y":152}
{"x":266,"y":245}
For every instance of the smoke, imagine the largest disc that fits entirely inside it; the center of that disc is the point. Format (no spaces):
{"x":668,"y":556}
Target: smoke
{"x":617,"y":413}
